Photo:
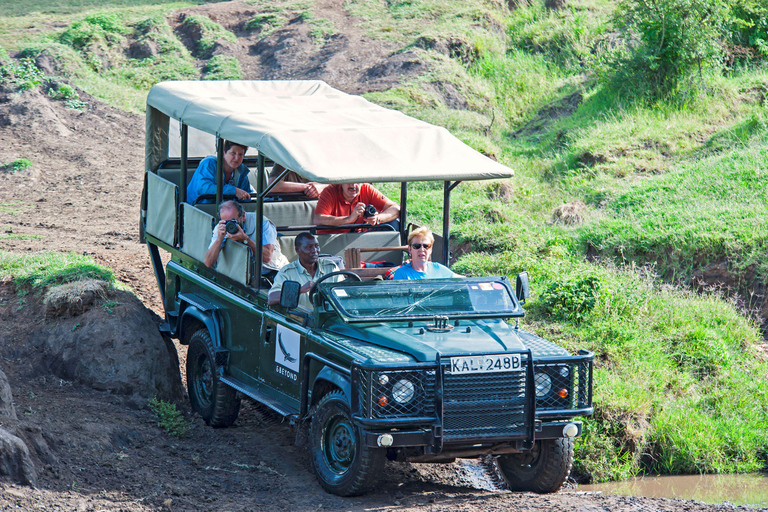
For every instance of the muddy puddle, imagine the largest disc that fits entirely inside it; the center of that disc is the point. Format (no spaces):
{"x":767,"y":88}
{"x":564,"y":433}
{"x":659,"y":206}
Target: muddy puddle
{"x":737,"y":489}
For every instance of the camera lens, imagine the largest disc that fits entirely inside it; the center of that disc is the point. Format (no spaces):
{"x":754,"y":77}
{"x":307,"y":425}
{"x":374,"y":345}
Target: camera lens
{"x":231,"y":226}
{"x":370,"y":211}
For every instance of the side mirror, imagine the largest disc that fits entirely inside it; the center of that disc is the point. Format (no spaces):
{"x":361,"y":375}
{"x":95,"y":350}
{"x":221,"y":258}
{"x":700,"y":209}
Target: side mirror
{"x":289,"y":294}
{"x":521,"y":287}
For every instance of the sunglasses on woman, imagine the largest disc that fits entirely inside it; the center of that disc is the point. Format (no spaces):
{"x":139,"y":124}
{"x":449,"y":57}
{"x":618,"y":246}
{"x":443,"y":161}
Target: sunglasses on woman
{"x":419,"y":246}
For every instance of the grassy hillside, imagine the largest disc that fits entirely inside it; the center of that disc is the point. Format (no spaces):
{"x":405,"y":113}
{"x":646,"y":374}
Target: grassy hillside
{"x":657,"y":264}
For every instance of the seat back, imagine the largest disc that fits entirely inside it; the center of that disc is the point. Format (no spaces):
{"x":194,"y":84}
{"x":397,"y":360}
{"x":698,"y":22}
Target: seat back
{"x":335,"y":245}
{"x":162,"y":205}
{"x":173,"y":174}
{"x":235,"y":262}
{"x":290,"y":213}
{"x":196,"y":233}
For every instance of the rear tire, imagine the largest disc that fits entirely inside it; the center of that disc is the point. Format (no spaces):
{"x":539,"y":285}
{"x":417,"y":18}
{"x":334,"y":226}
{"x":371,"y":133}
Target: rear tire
{"x":343,"y":464}
{"x":542,"y":470}
{"x":216,"y":402}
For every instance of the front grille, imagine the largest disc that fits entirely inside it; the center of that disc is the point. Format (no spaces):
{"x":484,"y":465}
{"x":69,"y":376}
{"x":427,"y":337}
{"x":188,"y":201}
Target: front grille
{"x":484,"y":405}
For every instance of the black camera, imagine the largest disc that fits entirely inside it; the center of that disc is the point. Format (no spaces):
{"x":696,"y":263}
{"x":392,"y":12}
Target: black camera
{"x":370,"y":211}
{"x":231,"y":226}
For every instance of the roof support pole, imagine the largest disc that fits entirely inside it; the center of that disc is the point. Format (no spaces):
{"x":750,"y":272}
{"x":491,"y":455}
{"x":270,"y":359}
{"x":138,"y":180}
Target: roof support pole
{"x":448,"y":187}
{"x":182,"y":181}
{"x":184,"y":155}
{"x":259,"y":218}
{"x":274,"y":182}
{"x":446,"y":220}
{"x":403,"y":212}
{"x":219,"y":170}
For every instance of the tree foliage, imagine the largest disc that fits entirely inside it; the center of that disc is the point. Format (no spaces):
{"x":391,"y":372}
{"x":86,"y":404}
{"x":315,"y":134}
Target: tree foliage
{"x":670,"y":40}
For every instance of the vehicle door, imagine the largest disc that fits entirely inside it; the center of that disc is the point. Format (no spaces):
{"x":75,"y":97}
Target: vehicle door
{"x":241,"y":326}
{"x":282,"y":352}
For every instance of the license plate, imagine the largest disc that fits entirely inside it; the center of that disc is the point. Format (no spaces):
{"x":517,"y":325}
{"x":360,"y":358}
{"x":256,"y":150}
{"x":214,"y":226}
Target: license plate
{"x":485,"y":364}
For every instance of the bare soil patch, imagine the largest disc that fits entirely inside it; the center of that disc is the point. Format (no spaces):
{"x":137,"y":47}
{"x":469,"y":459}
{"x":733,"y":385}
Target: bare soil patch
{"x":101,"y":450}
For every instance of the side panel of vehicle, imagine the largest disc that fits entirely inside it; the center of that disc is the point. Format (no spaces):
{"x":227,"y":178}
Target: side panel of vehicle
{"x":238,"y":321}
{"x":282,"y":357}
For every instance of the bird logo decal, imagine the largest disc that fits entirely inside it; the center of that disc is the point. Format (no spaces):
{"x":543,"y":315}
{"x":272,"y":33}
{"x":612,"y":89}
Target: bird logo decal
{"x":286,"y":356}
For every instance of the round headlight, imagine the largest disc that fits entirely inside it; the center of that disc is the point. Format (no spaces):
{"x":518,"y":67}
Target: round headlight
{"x":543,"y":384}
{"x":403,"y":391}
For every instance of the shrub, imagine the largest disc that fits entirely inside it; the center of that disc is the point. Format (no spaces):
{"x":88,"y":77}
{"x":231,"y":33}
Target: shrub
{"x":570,"y":300}
{"x":169,"y":418}
{"x":748,"y":28}
{"x":223,"y":67}
{"x":75,"y":104}
{"x":210,"y":33}
{"x":668,"y":40}
{"x":22,"y":74}
{"x":266,"y":23}
{"x":17,"y":165}
{"x":96,"y":27}
{"x":63,"y":92}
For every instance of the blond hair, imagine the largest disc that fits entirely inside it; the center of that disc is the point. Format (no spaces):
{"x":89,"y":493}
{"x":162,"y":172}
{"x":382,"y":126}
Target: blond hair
{"x":422,"y":232}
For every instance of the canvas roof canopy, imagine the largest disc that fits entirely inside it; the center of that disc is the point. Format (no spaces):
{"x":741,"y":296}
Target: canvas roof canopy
{"x":323,"y":134}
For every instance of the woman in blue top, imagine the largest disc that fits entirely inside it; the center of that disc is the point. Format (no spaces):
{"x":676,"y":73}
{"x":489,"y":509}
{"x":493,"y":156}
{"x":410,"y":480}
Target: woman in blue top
{"x":235,"y":175}
{"x":421,"y":266}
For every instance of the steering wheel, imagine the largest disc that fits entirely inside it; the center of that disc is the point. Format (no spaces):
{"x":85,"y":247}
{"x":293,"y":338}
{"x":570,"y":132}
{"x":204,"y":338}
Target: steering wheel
{"x":347,"y":273}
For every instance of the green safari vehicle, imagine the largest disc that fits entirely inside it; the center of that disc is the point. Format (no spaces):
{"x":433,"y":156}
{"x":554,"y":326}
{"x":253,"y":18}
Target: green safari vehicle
{"x":418,"y":371}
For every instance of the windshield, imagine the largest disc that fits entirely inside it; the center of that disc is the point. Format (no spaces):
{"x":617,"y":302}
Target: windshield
{"x":490,"y":296}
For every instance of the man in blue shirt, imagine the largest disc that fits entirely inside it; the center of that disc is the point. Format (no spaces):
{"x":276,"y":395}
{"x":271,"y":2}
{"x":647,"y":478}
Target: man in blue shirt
{"x":235,"y":175}
{"x":421,"y":266}
{"x":271,"y":257}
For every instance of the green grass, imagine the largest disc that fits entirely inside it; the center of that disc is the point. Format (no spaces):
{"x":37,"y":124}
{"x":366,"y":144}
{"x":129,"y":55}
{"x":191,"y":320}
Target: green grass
{"x":210,"y":33}
{"x":276,"y":14}
{"x":40,"y":270}
{"x":23,"y":75}
{"x":223,"y":67}
{"x":12,"y":8}
{"x":710,"y":211}
{"x":90,"y":53}
{"x":268,"y":22}
{"x":169,"y":418}
{"x":18,"y":236}
{"x":321,"y":29}
{"x":18,"y":165}
{"x":14,"y":208}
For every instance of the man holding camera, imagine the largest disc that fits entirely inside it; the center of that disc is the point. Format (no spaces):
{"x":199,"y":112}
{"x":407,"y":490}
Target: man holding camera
{"x":354,"y":203}
{"x":240,"y":226}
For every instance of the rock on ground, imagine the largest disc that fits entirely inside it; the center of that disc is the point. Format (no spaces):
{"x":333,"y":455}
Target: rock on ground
{"x":15,"y":461}
{"x":6,"y":398}
{"x":96,"y":348}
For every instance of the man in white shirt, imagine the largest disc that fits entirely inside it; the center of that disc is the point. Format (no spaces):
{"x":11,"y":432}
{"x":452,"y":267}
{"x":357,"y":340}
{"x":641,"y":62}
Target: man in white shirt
{"x":306,"y":269}
{"x":271,"y":257}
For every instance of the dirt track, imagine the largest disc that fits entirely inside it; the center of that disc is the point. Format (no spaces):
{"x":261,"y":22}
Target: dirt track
{"x":105,"y":453}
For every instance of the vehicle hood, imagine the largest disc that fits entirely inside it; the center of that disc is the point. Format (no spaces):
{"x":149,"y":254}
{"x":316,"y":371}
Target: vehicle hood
{"x":470,"y":337}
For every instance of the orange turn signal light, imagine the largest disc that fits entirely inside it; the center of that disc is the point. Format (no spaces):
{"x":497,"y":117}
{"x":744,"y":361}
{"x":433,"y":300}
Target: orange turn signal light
{"x":563,"y":393}
{"x":383,"y":401}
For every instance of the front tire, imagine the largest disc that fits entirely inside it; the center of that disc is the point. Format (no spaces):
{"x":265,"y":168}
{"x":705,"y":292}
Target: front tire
{"x":343,"y":464}
{"x":216,"y":402}
{"x":542,"y":470}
